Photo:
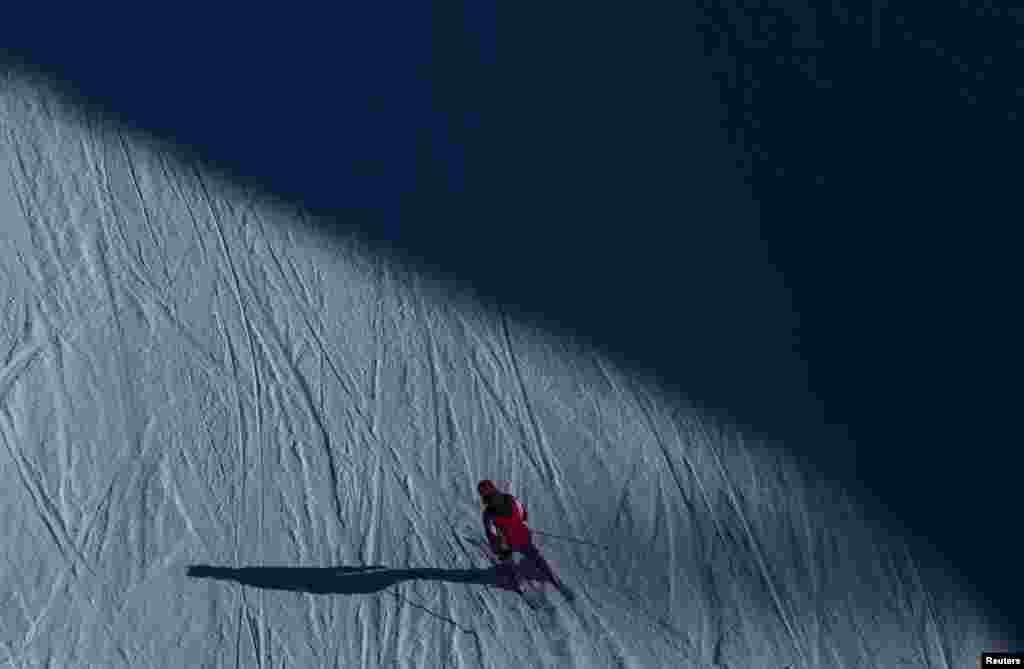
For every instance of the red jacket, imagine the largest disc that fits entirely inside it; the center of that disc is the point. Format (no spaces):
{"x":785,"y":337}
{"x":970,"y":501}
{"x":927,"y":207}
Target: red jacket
{"x":506,"y":518}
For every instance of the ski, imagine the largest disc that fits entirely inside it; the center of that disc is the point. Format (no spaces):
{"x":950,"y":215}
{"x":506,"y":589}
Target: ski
{"x":524,"y":586}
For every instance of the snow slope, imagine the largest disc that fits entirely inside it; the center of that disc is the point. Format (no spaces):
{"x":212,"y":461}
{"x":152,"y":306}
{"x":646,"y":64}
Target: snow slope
{"x":193,"y":375}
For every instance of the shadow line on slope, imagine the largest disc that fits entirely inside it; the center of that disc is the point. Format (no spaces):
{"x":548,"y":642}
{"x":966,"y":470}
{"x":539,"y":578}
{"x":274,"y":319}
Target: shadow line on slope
{"x":585,"y":184}
{"x":341,"y":580}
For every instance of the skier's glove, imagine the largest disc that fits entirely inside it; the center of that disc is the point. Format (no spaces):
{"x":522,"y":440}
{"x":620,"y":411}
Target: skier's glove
{"x":504,"y":554}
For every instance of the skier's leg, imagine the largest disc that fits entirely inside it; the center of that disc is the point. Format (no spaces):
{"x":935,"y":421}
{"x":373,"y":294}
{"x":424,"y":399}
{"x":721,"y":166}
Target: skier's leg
{"x":548,"y":572}
{"x":508,"y":576}
{"x":531,"y":552}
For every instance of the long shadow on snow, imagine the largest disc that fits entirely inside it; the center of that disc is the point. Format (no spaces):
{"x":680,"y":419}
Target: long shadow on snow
{"x":715,"y":231}
{"x":341,"y":580}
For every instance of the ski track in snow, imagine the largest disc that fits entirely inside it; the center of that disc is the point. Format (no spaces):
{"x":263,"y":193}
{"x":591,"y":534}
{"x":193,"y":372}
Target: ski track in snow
{"x":192,"y":375}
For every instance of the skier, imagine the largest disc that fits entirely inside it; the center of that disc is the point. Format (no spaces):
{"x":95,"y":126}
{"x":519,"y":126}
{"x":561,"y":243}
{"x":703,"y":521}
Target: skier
{"x":504,"y":519}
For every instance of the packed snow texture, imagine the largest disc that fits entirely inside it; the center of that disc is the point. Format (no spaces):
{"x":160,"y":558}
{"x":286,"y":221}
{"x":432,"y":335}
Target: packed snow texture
{"x":194,"y":375}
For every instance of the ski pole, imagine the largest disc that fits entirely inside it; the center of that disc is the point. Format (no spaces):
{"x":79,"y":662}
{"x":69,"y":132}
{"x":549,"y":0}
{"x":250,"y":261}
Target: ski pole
{"x":578,"y":541}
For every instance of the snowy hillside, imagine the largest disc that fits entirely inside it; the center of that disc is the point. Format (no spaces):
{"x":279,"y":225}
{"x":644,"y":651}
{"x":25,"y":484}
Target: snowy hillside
{"x":193,"y":376}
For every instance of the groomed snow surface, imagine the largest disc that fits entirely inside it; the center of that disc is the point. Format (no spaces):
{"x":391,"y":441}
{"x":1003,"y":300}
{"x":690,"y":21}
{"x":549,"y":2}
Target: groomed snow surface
{"x":193,"y":376}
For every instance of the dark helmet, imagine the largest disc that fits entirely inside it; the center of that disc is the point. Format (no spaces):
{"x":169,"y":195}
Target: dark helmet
{"x":486,"y":488}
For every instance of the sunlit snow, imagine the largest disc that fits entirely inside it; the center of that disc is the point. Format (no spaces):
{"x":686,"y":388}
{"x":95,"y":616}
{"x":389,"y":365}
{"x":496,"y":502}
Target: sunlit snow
{"x":194,"y":376}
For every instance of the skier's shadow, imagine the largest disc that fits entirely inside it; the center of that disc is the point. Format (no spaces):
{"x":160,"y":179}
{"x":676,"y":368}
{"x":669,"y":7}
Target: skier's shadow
{"x":342,"y":580}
